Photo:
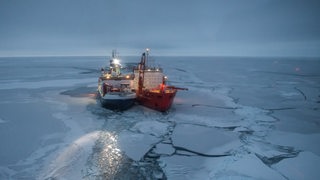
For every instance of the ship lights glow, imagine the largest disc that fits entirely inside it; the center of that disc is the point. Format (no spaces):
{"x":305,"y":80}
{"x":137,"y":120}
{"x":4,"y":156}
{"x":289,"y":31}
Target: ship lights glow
{"x":116,"y":61}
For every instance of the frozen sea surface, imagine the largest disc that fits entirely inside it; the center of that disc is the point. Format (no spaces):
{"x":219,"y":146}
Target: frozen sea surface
{"x":242,"y":118}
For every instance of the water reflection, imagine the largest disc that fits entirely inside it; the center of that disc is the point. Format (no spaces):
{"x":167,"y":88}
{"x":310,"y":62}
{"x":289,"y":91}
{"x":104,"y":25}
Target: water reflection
{"x":108,"y":160}
{"x":108,"y":156}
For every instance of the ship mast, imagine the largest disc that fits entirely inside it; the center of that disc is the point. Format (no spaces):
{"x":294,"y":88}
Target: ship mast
{"x":147,"y":57}
{"x":142,"y":67}
{"x":113,"y":54}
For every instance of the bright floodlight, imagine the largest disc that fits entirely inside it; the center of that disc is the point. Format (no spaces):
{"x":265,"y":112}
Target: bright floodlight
{"x":116,"y":61}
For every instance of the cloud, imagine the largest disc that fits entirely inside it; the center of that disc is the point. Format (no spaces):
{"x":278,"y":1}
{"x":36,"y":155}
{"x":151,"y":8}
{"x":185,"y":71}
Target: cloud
{"x":198,"y":27}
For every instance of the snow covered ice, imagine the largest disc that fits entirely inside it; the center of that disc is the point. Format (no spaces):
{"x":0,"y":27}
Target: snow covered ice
{"x":242,"y":118}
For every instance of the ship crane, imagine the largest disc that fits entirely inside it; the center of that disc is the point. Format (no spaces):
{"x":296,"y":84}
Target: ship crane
{"x":155,"y":96}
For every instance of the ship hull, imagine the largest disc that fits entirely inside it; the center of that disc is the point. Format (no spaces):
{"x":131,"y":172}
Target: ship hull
{"x":160,"y":101}
{"x":115,"y":88}
{"x":117,"y":102}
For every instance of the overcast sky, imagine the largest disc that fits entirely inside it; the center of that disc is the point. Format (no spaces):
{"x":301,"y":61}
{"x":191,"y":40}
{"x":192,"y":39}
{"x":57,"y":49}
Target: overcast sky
{"x":168,"y":27}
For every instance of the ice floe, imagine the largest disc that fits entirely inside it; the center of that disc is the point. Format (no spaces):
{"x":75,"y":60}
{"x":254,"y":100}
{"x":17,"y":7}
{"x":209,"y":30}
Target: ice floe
{"x":302,"y":142}
{"x":203,"y":140}
{"x":245,"y":167}
{"x":153,"y":128}
{"x":2,"y":120}
{"x":136,"y":145}
{"x":304,"y":166}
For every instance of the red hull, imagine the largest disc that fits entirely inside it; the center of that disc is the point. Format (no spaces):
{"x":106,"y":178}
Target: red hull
{"x":157,"y":100}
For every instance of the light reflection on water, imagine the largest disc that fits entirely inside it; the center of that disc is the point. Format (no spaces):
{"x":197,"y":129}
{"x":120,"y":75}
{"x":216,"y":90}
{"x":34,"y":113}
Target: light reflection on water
{"x":108,"y":160}
{"x":108,"y":155}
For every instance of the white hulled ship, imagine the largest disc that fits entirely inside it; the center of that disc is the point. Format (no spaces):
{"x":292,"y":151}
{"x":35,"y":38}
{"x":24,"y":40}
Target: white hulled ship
{"x":115,"y":86}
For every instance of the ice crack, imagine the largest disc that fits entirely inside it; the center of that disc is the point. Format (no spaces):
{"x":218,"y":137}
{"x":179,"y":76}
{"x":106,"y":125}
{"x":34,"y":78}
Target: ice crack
{"x":301,"y":92}
{"x":197,"y":153}
{"x":220,"y":107}
{"x":276,"y":159}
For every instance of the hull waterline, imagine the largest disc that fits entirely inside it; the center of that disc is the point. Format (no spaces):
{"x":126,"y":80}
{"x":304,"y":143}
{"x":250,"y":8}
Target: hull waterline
{"x":116,"y":104}
{"x":161,"y":101}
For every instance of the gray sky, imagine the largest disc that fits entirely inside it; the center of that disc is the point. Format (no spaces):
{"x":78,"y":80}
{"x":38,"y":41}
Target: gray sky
{"x":168,"y":27}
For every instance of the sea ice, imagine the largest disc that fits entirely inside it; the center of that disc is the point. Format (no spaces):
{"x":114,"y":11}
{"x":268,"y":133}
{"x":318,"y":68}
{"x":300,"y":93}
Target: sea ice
{"x":184,"y":167}
{"x":203,"y":140}
{"x":304,"y":142}
{"x":246,"y":167}
{"x":303,"y":120}
{"x":304,"y":166}
{"x":135,"y":145}
{"x":164,"y":149}
{"x":260,"y":114}
{"x":71,"y":159}
{"x":2,"y":120}
{"x":46,"y":83}
{"x":153,"y":128}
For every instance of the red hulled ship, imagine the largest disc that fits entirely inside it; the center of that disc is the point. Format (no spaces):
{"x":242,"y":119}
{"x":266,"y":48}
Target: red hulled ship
{"x":151,"y":88}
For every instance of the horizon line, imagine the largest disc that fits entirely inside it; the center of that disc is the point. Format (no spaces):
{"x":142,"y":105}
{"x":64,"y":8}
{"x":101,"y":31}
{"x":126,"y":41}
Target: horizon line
{"x":242,"y":56}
